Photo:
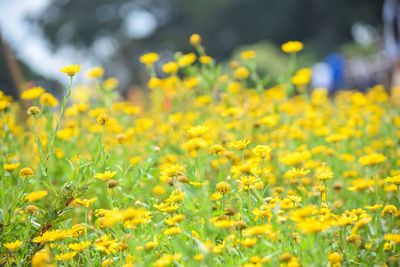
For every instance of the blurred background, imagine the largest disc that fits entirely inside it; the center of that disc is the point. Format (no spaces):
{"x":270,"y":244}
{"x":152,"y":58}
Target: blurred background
{"x":38,"y":37}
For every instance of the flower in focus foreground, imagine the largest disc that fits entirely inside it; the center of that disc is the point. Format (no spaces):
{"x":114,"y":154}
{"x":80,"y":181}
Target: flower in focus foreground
{"x":71,"y":70}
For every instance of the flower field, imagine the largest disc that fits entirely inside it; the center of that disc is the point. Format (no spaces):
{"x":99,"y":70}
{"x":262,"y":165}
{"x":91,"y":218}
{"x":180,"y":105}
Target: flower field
{"x":217,"y":169}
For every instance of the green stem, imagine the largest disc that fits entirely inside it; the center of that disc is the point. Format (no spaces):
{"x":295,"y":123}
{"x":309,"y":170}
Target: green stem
{"x":54,"y":133}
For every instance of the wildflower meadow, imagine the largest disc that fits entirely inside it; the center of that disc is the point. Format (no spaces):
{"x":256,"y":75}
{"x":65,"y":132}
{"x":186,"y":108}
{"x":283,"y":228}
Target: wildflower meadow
{"x":219,"y":167}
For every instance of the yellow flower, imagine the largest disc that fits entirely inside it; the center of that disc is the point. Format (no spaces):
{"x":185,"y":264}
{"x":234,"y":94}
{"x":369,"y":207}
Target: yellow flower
{"x":79,"y":246}
{"x":302,"y":77}
{"x":151,"y":245}
{"x":26,"y":172}
{"x":389,"y":209}
{"x":34,"y":110}
{"x":390,"y":188}
{"x":195,"y":39}
{"x":217,"y":149}
{"x":149,"y":59}
{"x":292,"y":47}
{"x":175,"y":219}
{"x":106,"y":244}
{"x":240,"y":144}
{"x":37,"y":195}
{"x":195,"y":234}
{"x":52,"y":235}
{"x":248,"y":54}
{"x":11,"y":166}
{"x":372,"y":159}
{"x":48,"y":99}
{"x":286,"y":259}
{"x":154,"y":83}
{"x":262,"y":151}
{"x":166,"y":260}
{"x":110,"y":83}
{"x":176,"y":196}
{"x":95,"y":72}
{"x":71,"y":70}
{"x":191,"y":82}
{"x":392,"y":237}
{"x":102,"y":119}
{"x":129,"y":261}
{"x":41,"y":259}
{"x":158,"y":190}
{"x":206,"y":60}
{"x":172,"y":231}
{"x":259,"y":230}
{"x":242,"y":73}
{"x":12,"y":246}
{"x":394,"y":180}
{"x":215,"y":196}
{"x":296,"y":173}
{"x":32,"y":93}
{"x":223,"y":187}
{"x":354,"y":238}
{"x":107,"y":262}
{"x":198,"y":257}
{"x":361,"y":184}
{"x":4,"y":105}
{"x":31,"y":209}
{"x":248,"y":182}
{"x":187,"y":60}
{"x":65,"y":256}
{"x":311,"y":226}
{"x":388,"y":246}
{"x":107,"y":175}
{"x":170,"y":67}
{"x":171,"y":171}
{"x":249,"y":242}
{"x":84,"y":202}
{"x":335,"y":258}
{"x":323,"y":173}
{"x":77,"y":230}
{"x":374,"y":207}
{"x":360,"y":224}
{"x":167,"y":207}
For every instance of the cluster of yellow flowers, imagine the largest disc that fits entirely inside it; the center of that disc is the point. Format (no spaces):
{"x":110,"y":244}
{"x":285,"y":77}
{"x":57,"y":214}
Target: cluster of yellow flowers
{"x":218,"y":169}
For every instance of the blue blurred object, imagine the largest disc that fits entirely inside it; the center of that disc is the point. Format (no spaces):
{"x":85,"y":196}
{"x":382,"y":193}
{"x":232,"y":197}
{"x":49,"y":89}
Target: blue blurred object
{"x":336,"y":63}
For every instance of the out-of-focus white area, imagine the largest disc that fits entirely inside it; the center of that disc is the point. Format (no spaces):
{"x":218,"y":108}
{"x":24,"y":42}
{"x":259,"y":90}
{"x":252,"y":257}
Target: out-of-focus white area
{"x":364,"y":34}
{"x":322,"y":75}
{"x":28,"y":42}
{"x":30,"y":45}
{"x":140,"y":24}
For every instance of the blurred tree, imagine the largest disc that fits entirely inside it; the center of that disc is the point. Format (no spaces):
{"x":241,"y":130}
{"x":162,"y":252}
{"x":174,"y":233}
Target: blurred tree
{"x":15,"y":75}
{"x":119,"y":31}
{"x":10,"y":75}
